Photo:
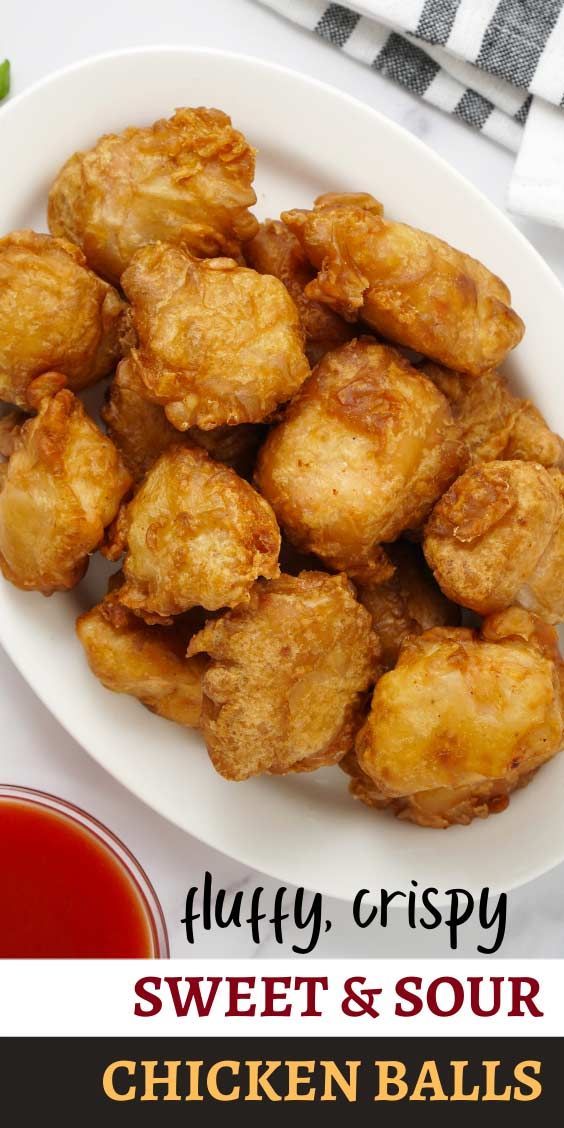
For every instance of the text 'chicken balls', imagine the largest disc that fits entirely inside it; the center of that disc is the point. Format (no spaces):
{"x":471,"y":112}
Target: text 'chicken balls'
{"x":494,"y":423}
{"x":410,"y":286}
{"x":361,"y":455}
{"x":61,"y":487}
{"x":185,"y":180}
{"x":147,"y":662}
{"x":497,"y":538}
{"x":274,"y":250}
{"x":462,"y":720}
{"x":218,"y":343}
{"x":286,"y":686}
{"x":54,"y":314}
{"x":408,"y":603}
{"x":195,"y":534}
{"x":142,"y":432}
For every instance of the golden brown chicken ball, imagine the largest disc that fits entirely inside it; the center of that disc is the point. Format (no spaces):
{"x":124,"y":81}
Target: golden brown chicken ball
{"x":61,"y":487}
{"x":274,"y":250}
{"x":409,"y":285}
{"x":185,"y":180}
{"x":141,"y":430}
{"x":494,"y":423}
{"x":408,"y":603}
{"x":289,"y":671}
{"x":361,"y":455}
{"x":497,"y":538}
{"x":149,"y":663}
{"x":195,"y":534}
{"x":462,"y":720}
{"x":218,"y":343}
{"x":55,"y":314}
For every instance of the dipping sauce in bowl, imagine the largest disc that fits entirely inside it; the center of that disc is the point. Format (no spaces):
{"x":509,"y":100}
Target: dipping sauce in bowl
{"x":69,"y":889}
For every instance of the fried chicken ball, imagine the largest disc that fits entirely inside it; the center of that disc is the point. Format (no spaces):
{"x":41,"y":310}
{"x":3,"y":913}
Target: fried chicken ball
{"x":409,"y":285}
{"x":141,"y":430}
{"x":497,"y":538}
{"x":288,"y":675}
{"x":149,"y":663}
{"x":408,"y":603}
{"x":61,"y":487}
{"x":195,"y":534}
{"x":463,"y":719}
{"x":361,"y":455}
{"x":186,"y":180}
{"x":274,"y":250}
{"x":54,"y":314}
{"x":218,"y":343}
{"x":494,"y":423}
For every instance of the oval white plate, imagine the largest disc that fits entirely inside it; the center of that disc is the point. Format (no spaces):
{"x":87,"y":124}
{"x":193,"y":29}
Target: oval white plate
{"x":311,"y":138}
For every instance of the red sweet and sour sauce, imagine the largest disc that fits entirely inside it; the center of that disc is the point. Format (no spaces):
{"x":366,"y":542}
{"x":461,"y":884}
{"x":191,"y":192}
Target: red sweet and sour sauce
{"x":63,"y":892}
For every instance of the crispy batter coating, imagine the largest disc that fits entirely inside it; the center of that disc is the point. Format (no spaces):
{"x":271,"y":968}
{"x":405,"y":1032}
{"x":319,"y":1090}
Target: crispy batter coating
{"x":463,"y":720}
{"x":186,"y":180}
{"x":408,"y":603}
{"x":494,"y":423}
{"x":497,"y":538}
{"x":218,"y":343}
{"x":55,"y":314}
{"x":274,"y":250}
{"x":362,"y":454}
{"x":195,"y":534}
{"x":11,"y":424}
{"x":60,"y":489}
{"x":409,"y":285}
{"x":285,"y":688}
{"x":149,"y":663}
{"x":142,"y":432}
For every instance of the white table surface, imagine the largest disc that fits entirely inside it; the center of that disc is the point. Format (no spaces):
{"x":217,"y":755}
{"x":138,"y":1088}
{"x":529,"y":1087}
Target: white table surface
{"x":34,"y":749}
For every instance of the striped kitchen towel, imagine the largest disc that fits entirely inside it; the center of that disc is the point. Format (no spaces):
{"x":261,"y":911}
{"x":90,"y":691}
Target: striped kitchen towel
{"x":497,"y":65}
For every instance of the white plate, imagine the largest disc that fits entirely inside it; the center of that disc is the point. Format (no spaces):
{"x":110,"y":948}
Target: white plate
{"x":302,"y":829}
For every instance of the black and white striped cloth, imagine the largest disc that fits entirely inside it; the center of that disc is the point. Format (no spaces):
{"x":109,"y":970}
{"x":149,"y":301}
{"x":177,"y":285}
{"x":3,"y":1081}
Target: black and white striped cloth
{"x":497,"y":65}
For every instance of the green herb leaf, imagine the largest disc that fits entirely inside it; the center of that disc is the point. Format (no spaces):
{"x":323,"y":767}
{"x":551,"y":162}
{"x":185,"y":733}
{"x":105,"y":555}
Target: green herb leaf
{"x":4,"y":78}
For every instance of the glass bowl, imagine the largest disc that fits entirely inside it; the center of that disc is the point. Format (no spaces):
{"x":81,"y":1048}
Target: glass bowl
{"x":101,"y":844}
